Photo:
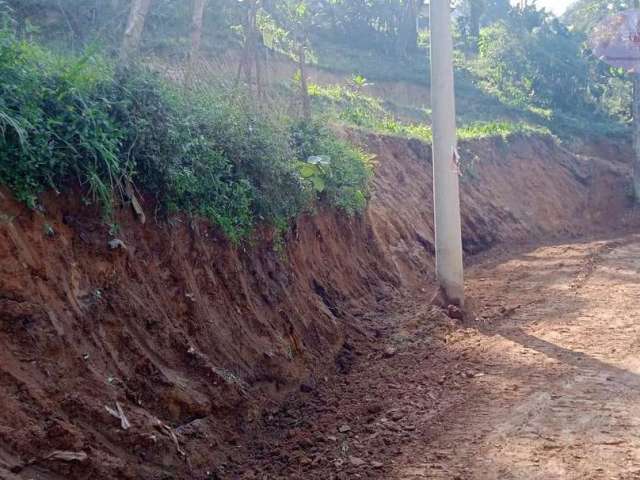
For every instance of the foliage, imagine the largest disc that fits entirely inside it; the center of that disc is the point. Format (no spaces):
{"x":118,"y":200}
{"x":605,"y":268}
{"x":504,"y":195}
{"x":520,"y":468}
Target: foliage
{"x":55,"y":124}
{"x":472,"y":15}
{"x":341,"y":174}
{"x":380,"y":24}
{"x":74,"y":24}
{"x":543,"y":67}
{"x":365,"y":24}
{"x":67,"y":119}
{"x":75,"y":118}
{"x":610,"y":86}
{"x":351,"y":106}
{"x":583,"y":15}
{"x":528,"y":59}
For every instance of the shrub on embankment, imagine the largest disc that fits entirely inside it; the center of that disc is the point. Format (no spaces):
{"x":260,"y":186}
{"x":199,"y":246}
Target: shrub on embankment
{"x":69,"y":120}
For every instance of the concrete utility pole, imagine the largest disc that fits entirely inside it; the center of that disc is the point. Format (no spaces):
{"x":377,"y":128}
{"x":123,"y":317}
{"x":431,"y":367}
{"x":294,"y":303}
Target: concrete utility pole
{"x":636,"y":128}
{"x":448,"y":231}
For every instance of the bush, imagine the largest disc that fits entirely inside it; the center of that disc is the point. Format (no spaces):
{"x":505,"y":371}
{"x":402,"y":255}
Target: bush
{"x":542,"y":66}
{"x":65,"y":120}
{"x":54,"y":125}
{"x":346,"y":175}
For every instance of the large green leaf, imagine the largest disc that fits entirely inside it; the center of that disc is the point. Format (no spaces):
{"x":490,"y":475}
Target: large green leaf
{"x":318,"y":183}
{"x":307,"y":170}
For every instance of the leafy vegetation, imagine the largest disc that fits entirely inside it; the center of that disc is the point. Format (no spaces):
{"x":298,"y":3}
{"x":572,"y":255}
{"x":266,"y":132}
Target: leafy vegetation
{"x":70,"y":119}
{"x":237,"y":152}
{"x":341,"y":172}
{"x":349,"y":105}
{"x":514,"y":58}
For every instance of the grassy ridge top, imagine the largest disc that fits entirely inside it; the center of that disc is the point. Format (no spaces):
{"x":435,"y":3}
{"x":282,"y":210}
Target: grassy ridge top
{"x":78,"y":119}
{"x":241,"y":154}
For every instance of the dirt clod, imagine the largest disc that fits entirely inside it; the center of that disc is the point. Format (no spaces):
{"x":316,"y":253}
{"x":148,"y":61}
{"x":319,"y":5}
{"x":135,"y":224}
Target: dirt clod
{"x":390,"y":351}
{"x":455,"y":312}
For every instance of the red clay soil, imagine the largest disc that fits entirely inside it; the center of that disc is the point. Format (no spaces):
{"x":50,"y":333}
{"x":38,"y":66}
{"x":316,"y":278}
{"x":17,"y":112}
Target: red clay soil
{"x":541,"y":383}
{"x":166,"y":356}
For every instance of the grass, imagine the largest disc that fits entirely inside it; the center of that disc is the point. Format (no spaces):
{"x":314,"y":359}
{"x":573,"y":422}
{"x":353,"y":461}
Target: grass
{"x":478,"y":99}
{"x":499,"y":129}
{"x":372,"y":63}
{"x":350,"y":106}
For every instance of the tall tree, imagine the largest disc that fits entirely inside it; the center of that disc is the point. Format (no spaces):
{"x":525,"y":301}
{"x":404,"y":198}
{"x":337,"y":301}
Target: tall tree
{"x":475,"y":14}
{"x":196,"y":39}
{"x":407,"y":39}
{"x":135,"y":27}
{"x":296,"y":18}
{"x":476,"y":9}
{"x":250,"y":57}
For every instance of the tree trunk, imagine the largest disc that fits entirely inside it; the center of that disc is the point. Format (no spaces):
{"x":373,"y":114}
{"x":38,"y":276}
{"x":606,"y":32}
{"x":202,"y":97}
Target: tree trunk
{"x":254,"y":50}
{"x":249,"y":50}
{"x":476,"y":9}
{"x":407,"y":40}
{"x":243,"y":65}
{"x":135,"y":27}
{"x":304,"y":88}
{"x":259,"y":87}
{"x":196,"y":39}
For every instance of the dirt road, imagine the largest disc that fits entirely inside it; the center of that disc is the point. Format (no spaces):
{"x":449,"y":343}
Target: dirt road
{"x":543,"y":384}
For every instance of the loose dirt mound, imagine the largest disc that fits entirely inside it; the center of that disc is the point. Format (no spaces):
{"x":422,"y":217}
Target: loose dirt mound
{"x":149,"y":357}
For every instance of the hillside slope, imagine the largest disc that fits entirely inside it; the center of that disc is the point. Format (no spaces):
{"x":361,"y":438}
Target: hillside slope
{"x":192,"y":339}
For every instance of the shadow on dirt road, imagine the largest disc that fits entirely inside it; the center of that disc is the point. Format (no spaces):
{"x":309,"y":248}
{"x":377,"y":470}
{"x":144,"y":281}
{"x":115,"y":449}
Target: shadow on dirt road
{"x":543,"y":384}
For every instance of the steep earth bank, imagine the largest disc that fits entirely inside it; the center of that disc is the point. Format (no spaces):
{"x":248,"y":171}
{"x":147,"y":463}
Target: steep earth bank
{"x":188,"y":339}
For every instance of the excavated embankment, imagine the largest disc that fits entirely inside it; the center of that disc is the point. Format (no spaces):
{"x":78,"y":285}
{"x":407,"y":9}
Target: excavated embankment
{"x":145,"y":360}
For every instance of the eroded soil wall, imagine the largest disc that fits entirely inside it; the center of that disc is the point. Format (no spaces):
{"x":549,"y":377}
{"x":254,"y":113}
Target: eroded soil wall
{"x":192,"y":338}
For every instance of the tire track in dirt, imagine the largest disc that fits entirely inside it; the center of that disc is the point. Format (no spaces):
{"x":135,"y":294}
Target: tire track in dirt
{"x":560,"y":395}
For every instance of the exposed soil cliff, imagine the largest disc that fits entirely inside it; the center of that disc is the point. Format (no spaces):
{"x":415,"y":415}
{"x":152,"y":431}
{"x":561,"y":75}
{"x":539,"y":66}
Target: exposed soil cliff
{"x":190,"y":338}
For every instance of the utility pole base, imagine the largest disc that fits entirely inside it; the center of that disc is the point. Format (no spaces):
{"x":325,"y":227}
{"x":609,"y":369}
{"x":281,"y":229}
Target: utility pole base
{"x":441,"y":299}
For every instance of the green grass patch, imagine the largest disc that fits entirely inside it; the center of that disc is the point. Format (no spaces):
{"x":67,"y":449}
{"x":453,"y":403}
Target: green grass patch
{"x":350,"y":106}
{"x":499,"y":129}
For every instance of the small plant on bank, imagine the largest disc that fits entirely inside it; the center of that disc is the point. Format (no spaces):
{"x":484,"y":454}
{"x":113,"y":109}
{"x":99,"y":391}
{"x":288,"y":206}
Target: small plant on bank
{"x":339,"y":173}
